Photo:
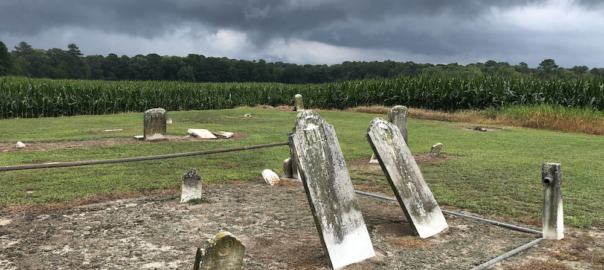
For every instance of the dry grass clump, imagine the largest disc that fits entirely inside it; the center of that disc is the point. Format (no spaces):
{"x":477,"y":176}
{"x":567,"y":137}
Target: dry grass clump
{"x":409,"y":242}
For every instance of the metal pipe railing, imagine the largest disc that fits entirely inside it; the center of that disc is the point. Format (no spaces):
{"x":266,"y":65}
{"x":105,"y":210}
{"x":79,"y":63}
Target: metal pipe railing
{"x":507,"y":255}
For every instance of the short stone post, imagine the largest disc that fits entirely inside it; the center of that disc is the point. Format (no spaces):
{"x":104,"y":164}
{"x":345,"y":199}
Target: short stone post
{"x":287,"y":169}
{"x":334,"y":206}
{"x":292,"y":158}
{"x":299,"y":105}
{"x":398,"y":116}
{"x":553,"y":216}
{"x":155,"y":124}
{"x":224,"y":251}
{"x":191,"y":186}
{"x":435,"y":150}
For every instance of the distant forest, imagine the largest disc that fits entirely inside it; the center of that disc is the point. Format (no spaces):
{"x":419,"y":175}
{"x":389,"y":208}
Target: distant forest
{"x":57,"y":63}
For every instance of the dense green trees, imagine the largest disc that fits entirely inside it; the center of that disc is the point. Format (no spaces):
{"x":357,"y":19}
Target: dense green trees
{"x":71,"y":64}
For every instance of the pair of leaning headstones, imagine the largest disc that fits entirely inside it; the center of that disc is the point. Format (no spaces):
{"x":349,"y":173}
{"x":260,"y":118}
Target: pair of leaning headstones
{"x":397,"y":116}
{"x":331,"y":196}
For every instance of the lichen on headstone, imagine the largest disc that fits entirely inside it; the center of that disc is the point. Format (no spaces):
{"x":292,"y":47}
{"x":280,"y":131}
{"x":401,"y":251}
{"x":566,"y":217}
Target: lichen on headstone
{"x":155,"y":124}
{"x":405,"y":178}
{"x":191,"y":186}
{"x":224,"y":251}
{"x":329,"y":190}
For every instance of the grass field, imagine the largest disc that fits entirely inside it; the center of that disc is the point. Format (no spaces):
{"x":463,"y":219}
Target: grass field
{"x":495,"y":172}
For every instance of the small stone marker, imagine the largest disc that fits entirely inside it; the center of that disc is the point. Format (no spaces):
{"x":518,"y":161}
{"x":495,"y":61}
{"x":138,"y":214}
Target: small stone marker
{"x":168,"y":119}
{"x":155,"y":124}
{"x":553,"y":216}
{"x":191,"y":186}
{"x":20,"y":145}
{"x":223,"y":134}
{"x":373,"y":159}
{"x":398,"y":116}
{"x":139,"y":137}
{"x":405,"y":178}
{"x":247,"y":115}
{"x":435,"y":150}
{"x":201,"y":133}
{"x":224,"y":251}
{"x":299,"y":105}
{"x":329,"y":190}
{"x":286,"y":172}
{"x":270,"y":177}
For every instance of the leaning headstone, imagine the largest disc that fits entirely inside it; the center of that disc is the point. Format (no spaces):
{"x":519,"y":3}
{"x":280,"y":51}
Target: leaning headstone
{"x":329,"y":190}
{"x":405,"y":178}
{"x":224,"y":251}
{"x":20,"y":145}
{"x":286,"y":172}
{"x":191,"y":186}
{"x":299,"y":105}
{"x":201,"y":133}
{"x":155,"y":124}
{"x":435,"y":150}
{"x":398,"y":116}
{"x":553,"y":216}
{"x":270,"y":177}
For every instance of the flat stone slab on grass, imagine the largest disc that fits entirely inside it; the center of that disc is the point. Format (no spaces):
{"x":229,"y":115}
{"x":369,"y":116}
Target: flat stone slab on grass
{"x":329,"y":190}
{"x":223,"y":134}
{"x":405,"y":178}
{"x":202,"y":133}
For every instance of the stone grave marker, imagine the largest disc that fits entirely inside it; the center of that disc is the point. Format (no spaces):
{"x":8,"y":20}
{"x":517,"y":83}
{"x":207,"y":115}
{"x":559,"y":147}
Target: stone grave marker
{"x":224,"y":251}
{"x":270,"y":177}
{"x":398,"y":116}
{"x":405,"y":178}
{"x":223,"y":134}
{"x":299,"y":105}
{"x":553,"y":214}
{"x":329,"y":190}
{"x":435,"y":150}
{"x":155,"y":124}
{"x":201,"y":133}
{"x":191,"y":186}
{"x":286,"y":172}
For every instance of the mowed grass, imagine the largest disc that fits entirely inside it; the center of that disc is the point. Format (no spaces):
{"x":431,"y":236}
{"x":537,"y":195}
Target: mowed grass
{"x":496,"y":173}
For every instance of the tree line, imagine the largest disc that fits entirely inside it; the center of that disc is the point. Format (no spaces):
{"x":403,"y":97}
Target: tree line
{"x":57,"y":63}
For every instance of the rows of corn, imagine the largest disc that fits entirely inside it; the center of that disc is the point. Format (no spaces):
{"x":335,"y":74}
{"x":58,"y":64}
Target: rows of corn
{"x":30,"y":98}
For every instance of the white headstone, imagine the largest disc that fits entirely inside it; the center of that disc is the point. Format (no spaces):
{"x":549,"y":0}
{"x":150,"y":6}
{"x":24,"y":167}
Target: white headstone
{"x":330,"y":193}
{"x":299,"y":104}
{"x":155,"y":124}
{"x":20,"y":145}
{"x":405,"y":178}
{"x":191,"y":186}
{"x":224,"y":251}
{"x":201,"y":133}
{"x":435,"y":150}
{"x":398,"y":116}
{"x":270,"y":177}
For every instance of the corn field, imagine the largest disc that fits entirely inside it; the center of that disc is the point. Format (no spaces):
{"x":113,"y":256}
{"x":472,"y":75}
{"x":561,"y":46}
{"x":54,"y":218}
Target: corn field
{"x":30,"y":98}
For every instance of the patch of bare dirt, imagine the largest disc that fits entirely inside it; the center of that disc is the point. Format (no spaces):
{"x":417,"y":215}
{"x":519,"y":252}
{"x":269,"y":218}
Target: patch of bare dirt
{"x":41,"y":146}
{"x":421,"y":159}
{"x":275,"y":224}
{"x":478,"y":128}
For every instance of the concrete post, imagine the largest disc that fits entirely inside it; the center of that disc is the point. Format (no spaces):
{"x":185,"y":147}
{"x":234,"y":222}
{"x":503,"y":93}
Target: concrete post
{"x":553,"y":216}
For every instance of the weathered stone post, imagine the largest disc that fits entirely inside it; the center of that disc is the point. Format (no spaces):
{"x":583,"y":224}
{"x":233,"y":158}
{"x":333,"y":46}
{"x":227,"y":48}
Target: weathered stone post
{"x":191,"y":186}
{"x":292,"y":158}
{"x":329,"y":190}
{"x":299,"y":105}
{"x":553,"y":216}
{"x":287,"y":171}
{"x":435,"y":150}
{"x":155,"y":124}
{"x":405,"y":178}
{"x":224,"y":251}
{"x":398,"y":116}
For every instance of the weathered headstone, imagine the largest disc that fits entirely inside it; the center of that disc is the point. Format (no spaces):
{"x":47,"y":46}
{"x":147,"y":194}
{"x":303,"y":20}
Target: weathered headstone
{"x":168,"y":119}
{"x":295,"y":173}
{"x":201,"y":133}
{"x":223,"y":134}
{"x":435,"y":150}
{"x":299,"y":105}
{"x":398,"y":116}
{"x":20,"y":145}
{"x":191,"y":186}
{"x":553,"y":215}
{"x":155,"y":124}
{"x":286,"y":172}
{"x":270,"y":177}
{"x":405,"y":178}
{"x":224,"y":251}
{"x":329,"y":190}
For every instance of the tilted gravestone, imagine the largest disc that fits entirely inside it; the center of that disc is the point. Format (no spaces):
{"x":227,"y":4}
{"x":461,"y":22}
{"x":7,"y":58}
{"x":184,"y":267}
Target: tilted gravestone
{"x":405,"y":178}
{"x":553,"y":214}
{"x":397,"y":116}
{"x":299,"y":105}
{"x":224,"y":251}
{"x":329,"y":190}
{"x":155,"y":124}
{"x":191,"y":186}
{"x":435,"y":150}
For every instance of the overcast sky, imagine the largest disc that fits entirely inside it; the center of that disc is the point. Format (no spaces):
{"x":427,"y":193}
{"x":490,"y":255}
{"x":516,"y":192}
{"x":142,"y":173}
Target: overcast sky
{"x":318,"y":31}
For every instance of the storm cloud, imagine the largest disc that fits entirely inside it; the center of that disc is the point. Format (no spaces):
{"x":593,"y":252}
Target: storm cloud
{"x":317,"y":31}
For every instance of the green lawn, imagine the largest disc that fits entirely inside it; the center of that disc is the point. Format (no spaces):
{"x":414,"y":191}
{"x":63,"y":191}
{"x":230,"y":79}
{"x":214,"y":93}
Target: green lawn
{"x":496,"y":172}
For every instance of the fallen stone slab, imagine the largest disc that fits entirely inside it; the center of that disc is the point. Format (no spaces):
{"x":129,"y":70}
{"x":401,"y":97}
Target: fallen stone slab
{"x":329,"y":190}
{"x":405,"y":178}
{"x":270,"y":177}
{"x":202,"y":133}
{"x":223,"y":134}
{"x":224,"y":251}
{"x":139,"y":137}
